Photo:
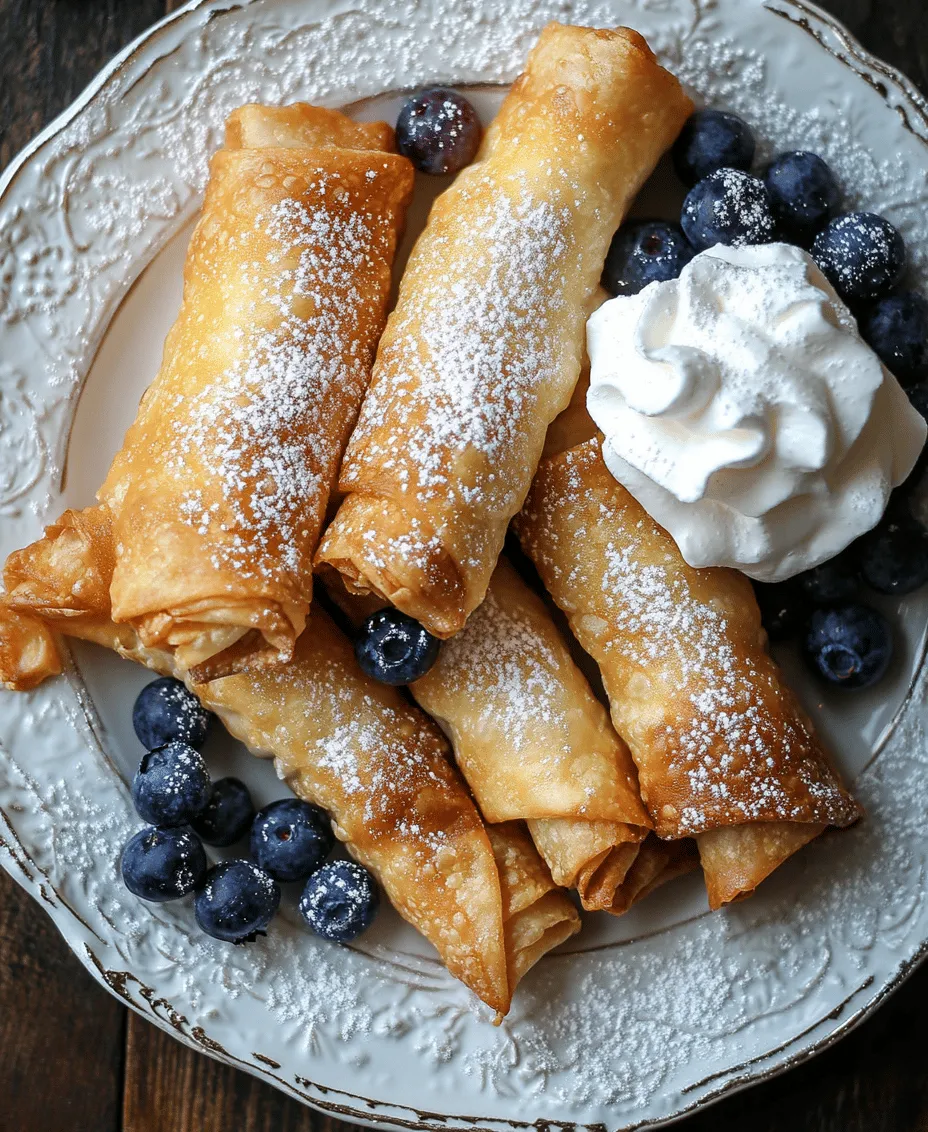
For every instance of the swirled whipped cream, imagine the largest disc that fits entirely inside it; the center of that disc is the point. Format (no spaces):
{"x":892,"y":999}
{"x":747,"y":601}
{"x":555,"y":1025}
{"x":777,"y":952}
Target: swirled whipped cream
{"x":743,"y":410}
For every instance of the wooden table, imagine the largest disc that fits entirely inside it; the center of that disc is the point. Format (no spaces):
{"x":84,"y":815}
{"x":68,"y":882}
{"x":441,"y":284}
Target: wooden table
{"x":72,"y":1058}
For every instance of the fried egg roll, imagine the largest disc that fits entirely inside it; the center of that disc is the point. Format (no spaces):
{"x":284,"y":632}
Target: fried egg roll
{"x":531,"y":740}
{"x":219,"y":492}
{"x":724,"y":751}
{"x":357,"y":748}
{"x":484,"y":347}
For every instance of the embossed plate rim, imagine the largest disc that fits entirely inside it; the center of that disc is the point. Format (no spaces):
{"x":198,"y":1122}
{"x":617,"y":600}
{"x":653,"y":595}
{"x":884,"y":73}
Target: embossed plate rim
{"x":16,"y":857}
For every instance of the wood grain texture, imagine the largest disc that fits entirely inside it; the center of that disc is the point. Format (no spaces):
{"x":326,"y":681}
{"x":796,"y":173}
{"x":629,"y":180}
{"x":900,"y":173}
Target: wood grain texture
{"x":169,"y":1088}
{"x":61,"y":1036}
{"x":72,"y":1059}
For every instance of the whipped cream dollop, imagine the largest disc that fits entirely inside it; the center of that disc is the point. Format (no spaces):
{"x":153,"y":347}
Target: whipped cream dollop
{"x":745,"y":413}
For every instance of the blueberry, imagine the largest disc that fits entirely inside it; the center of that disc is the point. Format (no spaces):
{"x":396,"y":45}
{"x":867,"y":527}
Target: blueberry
{"x":803,"y":191}
{"x":728,"y":207}
{"x":850,"y":645}
{"x":832,"y":582}
{"x":897,"y":331}
{"x":227,"y":815}
{"x":163,"y":864}
{"x":782,"y":608}
{"x":340,"y":901}
{"x":711,"y":140}
{"x":171,"y":785}
{"x":290,"y":839}
{"x":862,"y":254}
{"x":894,"y":556}
{"x":647,"y":252}
{"x":394,"y":648}
{"x":438,"y":130}
{"x":237,"y":901}
{"x":165,"y":710}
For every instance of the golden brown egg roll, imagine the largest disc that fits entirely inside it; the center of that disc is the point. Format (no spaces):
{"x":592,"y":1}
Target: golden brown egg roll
{"x":357,"y":748}
{"x":220,"y":490}
{"x":723,"y":749}
{"x":531,"y":740}
{"x":484,"y":347}
{"x":534,"y":743}
{"x":537,"y":916}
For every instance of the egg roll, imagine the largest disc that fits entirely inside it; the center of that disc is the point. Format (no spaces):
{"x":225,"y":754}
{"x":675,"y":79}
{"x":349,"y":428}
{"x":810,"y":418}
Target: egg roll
{"x":724,"y":751}
{"x":537,"y":916}
{"x":534,"y":743}
{"x":484,"y":346}
{"x":357,"y":748}
{"x":220,"y":490}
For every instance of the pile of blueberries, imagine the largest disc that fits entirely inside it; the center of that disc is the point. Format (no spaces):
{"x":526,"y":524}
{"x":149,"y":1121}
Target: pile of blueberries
{"x":797,"y":200}
{"x":289,"y":840}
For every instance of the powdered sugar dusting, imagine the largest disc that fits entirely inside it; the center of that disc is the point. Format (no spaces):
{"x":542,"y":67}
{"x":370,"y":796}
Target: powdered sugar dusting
{"x":698,"y":695}
{"x":507,"y":672}
{"x":630,"y":1034}
{"x":461,"y":369}
{"x":263,"y":420}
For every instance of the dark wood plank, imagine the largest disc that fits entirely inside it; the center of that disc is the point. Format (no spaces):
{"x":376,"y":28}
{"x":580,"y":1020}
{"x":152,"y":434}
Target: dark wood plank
{"x":61,"y":1035}
{"x":874,"y":1080}
{"x":170,"y":1087}
{"x":52,"y":1015}
{"x":51,"y":49}
{"x":893,"y":30}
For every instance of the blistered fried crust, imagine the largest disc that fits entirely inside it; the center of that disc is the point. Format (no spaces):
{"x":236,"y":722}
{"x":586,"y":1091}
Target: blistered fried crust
{"x":358,"y":748}
{"x":537,"y":916}
{"x":484,"y":347}
{"x":534,"y":743}
{"x":737,"y":858}
{"x":717,"y":736}
{"x":220,"y":490}
{"x":303,"y":126}
{"x":379,"y":767}
{"x":531,"y":739}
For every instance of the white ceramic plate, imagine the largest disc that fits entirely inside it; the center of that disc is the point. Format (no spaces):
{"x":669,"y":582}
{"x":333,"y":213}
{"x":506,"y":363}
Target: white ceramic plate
{"x":640,"y":1019}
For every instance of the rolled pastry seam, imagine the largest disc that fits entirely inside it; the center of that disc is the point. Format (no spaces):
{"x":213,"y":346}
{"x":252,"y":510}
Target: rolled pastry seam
{"x":531,"y":739}
{"x":737,"y":858}
{"x":358,"y":748}
{"x":657,"y":863}
{"x":537,"y":916}
{"x":719,"y":739}
{"x":484,"y":346}
{"x":220,"y":490}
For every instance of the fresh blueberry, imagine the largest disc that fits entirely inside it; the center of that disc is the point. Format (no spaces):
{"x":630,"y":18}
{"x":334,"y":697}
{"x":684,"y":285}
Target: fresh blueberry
{"x":340,"y":901}
{"x":163,"y":864}
{"x":438,"y":130}
{"x":394,"y":648}
{"x":166,"y":710}
{"x":290,"y":839}
{"x":894,"y":555}
{"x":728,"y":207}
{"x":711,"y":140}
{"x":803,"y":191}
{"x":782,"y":608}
{"x":897,"y":331}
{"x":171,"y":785}
{"x":850,"y":645}
{"x":832,"y":582}
{"x":237,"y":901}
{"x":862,"y":254}
{"x":649,"y":251}
{"x":227,"y":815}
